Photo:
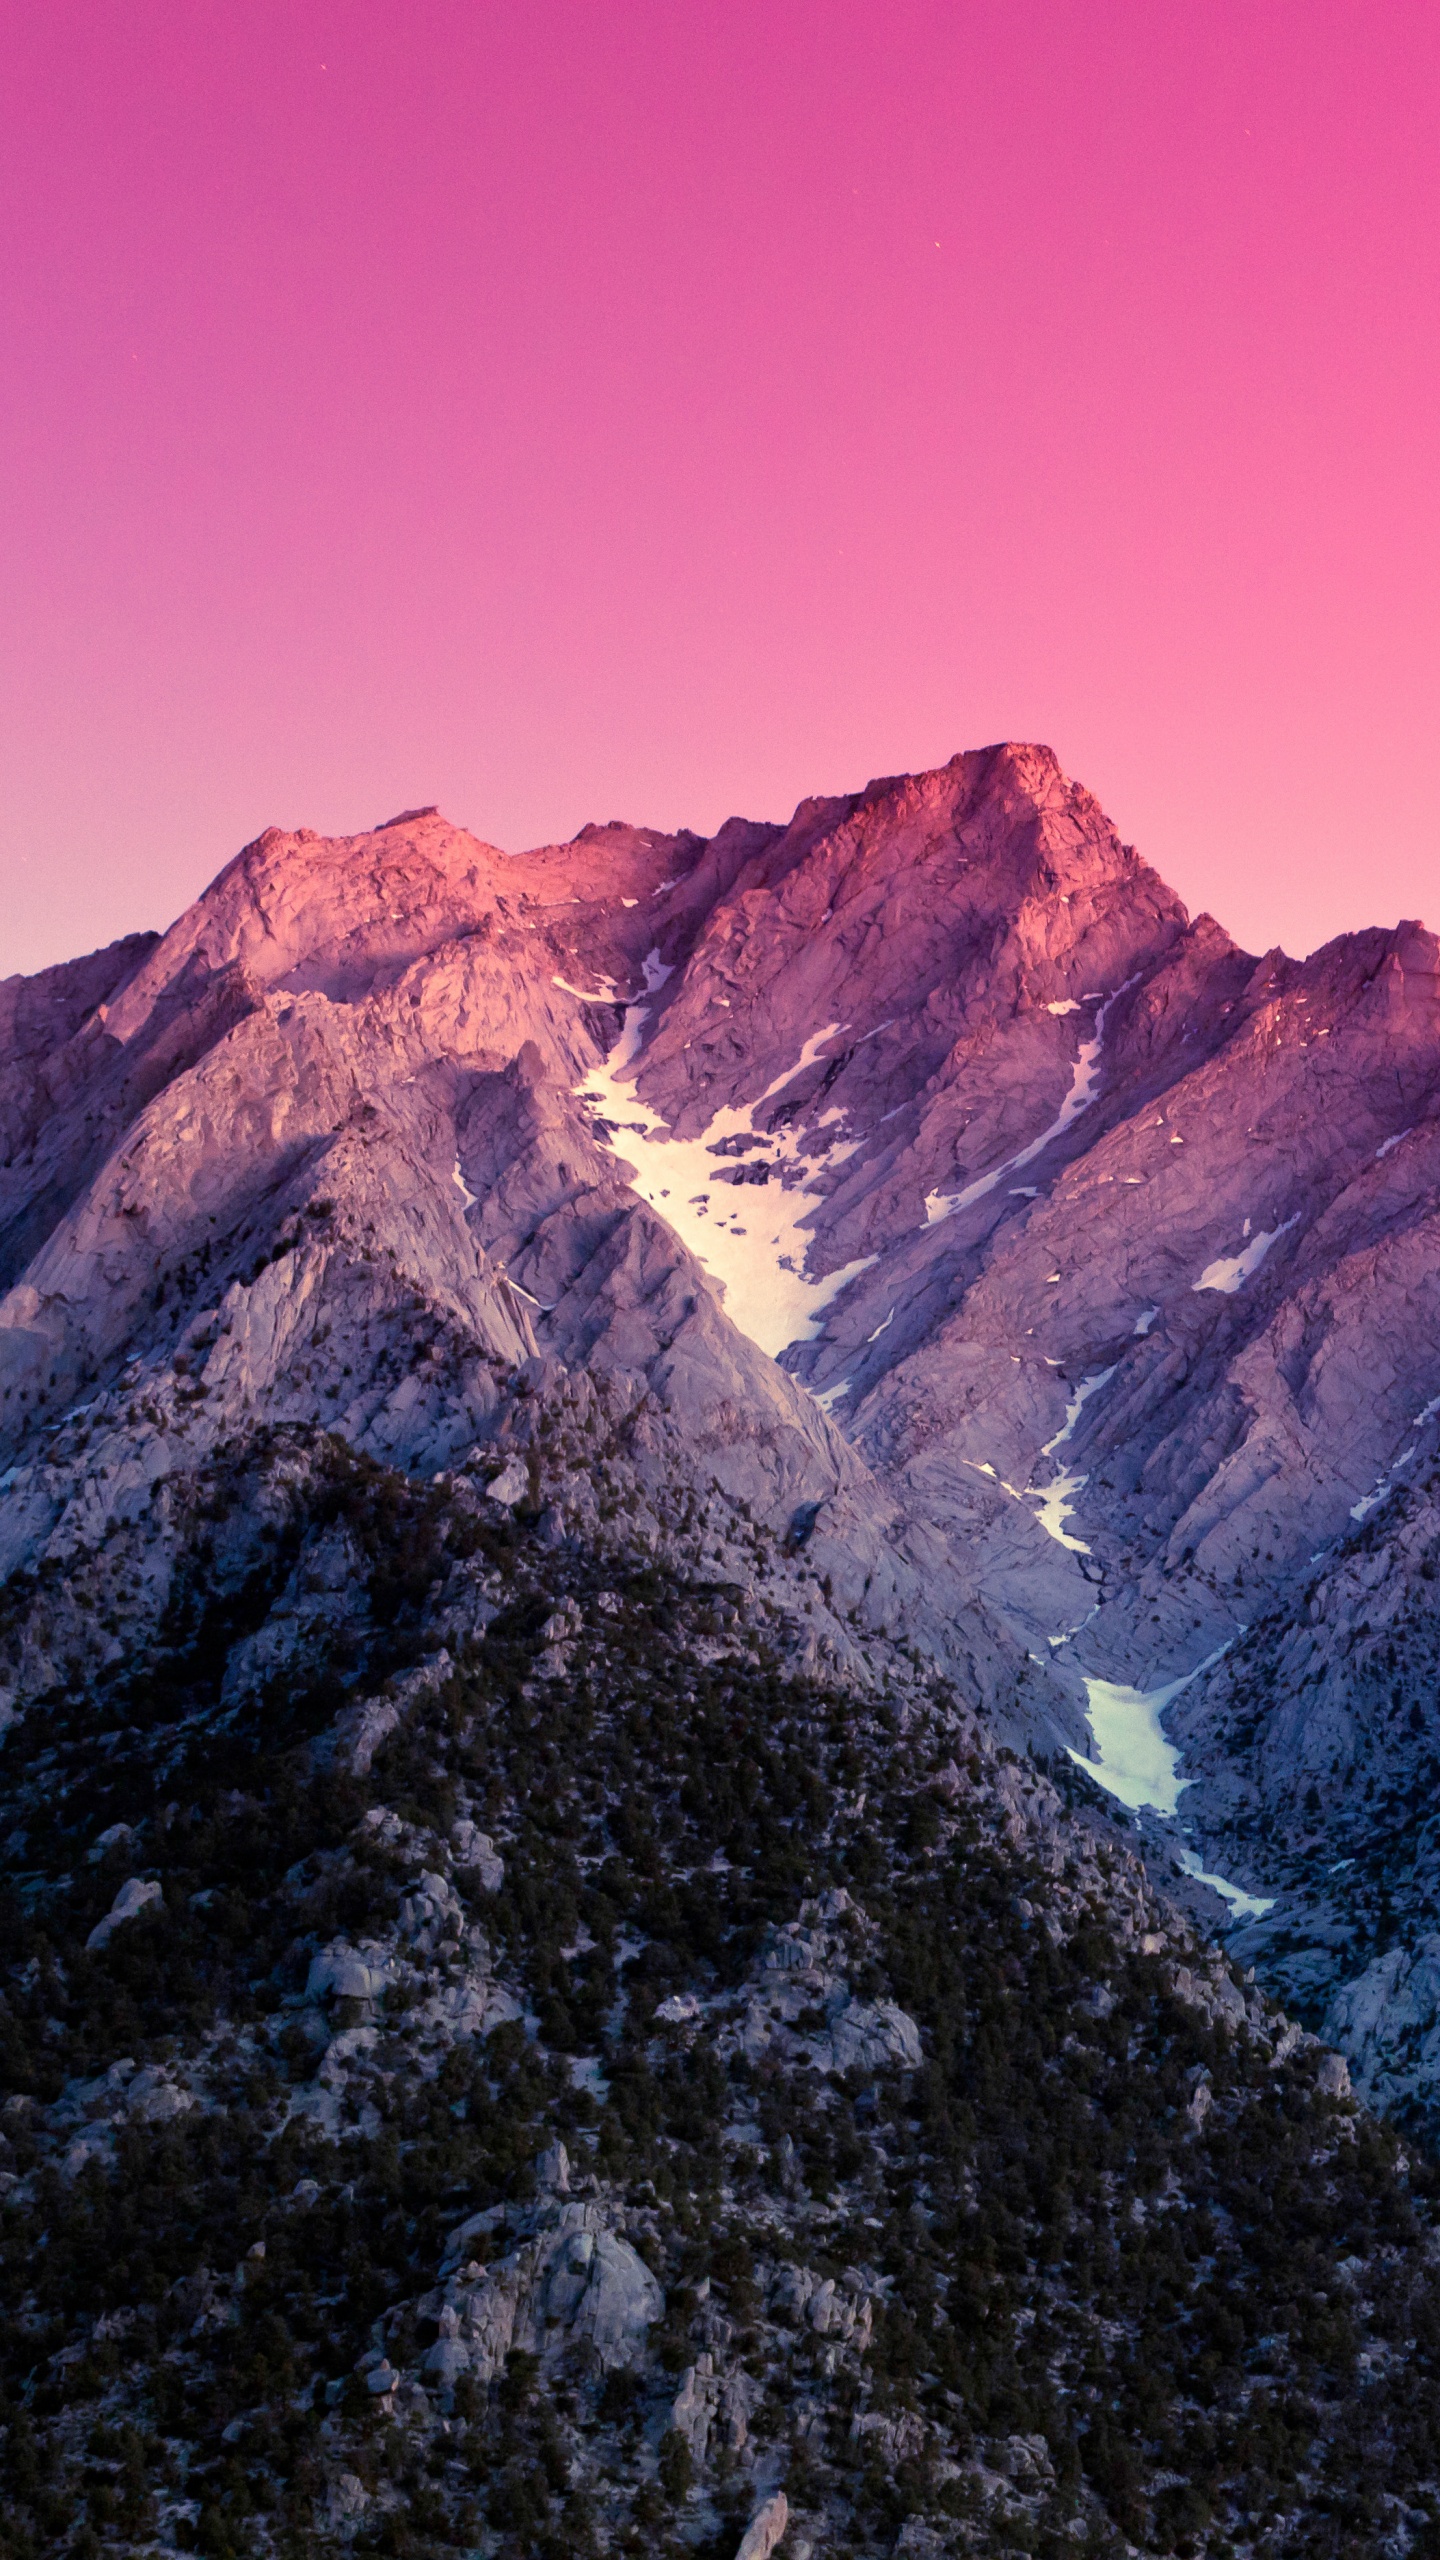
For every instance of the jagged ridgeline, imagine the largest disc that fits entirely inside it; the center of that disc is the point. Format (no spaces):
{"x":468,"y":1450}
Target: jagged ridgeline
{"x":506,"y":2058}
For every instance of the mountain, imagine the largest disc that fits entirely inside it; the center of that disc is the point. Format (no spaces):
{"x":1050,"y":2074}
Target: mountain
{"x":635,"y":1477}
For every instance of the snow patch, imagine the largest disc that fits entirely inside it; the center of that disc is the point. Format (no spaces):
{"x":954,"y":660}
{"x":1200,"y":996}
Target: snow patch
{"x":1132,"y":1759}
{"x":1232,"y":1270}
{"x":603,"y":994}
{"x":1398,"y":1140}
{"x":1371,"y":1501}
{"x":1144,"y":1321}
{"x":463,"y":1187}
{"x":751,"y":1238}
{"x":1087,"y":1388}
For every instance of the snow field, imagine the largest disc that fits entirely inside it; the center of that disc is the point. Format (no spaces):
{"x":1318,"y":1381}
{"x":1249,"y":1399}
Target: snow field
{"x":1133,"y":1760}
{"x":750,"y":1237}
{"x":1246,"y":1906}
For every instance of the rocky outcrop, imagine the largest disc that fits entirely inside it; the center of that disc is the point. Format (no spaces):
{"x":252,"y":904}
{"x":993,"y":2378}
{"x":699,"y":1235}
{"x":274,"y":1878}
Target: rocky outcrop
{"x":765,"y":2529}
{"x":576,"y":2280}
{"x":803,"y":2004}
{"x":136,"y":1895}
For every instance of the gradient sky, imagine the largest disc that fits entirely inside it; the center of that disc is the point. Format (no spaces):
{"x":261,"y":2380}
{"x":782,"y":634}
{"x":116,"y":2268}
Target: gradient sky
{"x":587,"y":408}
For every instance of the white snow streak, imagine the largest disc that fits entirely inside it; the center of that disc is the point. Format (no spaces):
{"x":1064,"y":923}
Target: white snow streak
{"x":1056,"y":1500}
{"x":1398,"y":1140}
{"x":1371,"y":1501}
{"x":1083,"y":1084}
{"x":1246,"y":1906}
{"x":603,"y":994}
{"x":1087,"y":1388}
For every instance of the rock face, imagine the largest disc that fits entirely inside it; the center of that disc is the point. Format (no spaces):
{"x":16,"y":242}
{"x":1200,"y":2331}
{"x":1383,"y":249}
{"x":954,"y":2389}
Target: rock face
{"x":575,"y":2281}
{"x":915,"y":1182}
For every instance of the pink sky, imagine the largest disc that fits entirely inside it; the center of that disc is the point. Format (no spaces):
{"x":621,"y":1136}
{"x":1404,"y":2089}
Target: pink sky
{"x":586,"y":408}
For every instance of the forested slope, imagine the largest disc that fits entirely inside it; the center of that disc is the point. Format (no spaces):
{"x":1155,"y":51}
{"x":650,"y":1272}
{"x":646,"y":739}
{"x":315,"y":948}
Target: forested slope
{"x":580,"y":2078}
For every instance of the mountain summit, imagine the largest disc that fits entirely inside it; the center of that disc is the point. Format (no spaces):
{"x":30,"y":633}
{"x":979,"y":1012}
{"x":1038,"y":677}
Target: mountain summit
{"x":895,"y":1375}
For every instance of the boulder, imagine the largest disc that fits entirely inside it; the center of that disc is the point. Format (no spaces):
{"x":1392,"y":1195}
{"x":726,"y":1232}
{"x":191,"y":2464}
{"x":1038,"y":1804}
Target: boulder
{"x":476,"y":1850}
{"x":338,"y":1973}
{"x":135,"y":1896}
{"x":765,"y":2529}
{"x":869,"y":2036}
{"x":511,"y":1485}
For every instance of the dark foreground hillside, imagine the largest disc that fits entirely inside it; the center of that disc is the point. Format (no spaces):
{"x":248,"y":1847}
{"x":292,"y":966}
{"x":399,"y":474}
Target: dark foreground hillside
{"x":569,"y":2080}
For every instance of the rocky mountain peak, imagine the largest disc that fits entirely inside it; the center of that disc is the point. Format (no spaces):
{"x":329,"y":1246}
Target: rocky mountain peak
{"x":336,"y":915}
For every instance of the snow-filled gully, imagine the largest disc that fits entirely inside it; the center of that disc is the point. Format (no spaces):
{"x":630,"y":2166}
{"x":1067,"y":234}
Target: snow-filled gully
{"x":1133,"y":1759}
{"x":1056,"y":1500}
{"x":1084,"y":1083}
{"x":751,"y":1237}
{"x":1136,"y":1763}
